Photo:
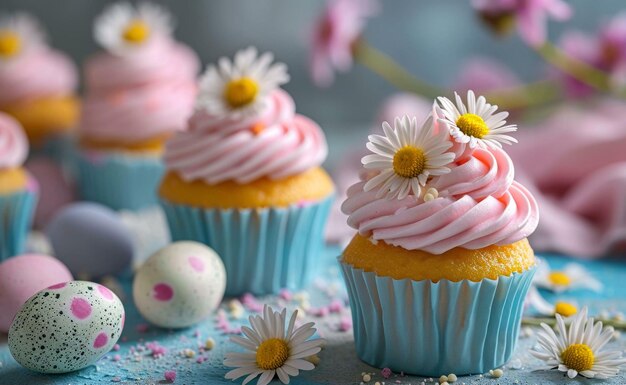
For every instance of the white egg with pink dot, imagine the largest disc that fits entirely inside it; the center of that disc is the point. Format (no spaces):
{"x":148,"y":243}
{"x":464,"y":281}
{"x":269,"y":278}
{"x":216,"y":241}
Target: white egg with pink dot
{"x":179,"y":285}
{"x":66,"y":327}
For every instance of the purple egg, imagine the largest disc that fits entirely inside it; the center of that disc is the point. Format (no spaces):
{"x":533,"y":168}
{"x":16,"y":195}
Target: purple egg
{"x":91,"y":240}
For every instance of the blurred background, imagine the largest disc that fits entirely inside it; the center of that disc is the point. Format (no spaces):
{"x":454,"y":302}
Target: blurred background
{"x":433,"y":39}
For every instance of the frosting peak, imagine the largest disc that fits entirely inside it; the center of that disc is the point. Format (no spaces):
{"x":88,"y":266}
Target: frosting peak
{"x":276,"y":144}
{"x":473,"y":202}
{"x":13,"y":143}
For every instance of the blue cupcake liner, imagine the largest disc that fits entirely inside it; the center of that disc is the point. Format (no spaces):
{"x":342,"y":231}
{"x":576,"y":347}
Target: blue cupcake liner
{"x":118,"y":180}
{"x":434,"y":328}
{"x":16,"y":216}
{"x":263,"y":250}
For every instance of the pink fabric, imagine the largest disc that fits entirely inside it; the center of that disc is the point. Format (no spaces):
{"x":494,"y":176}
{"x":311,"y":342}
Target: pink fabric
{"x":40,"y":72}
{"x":13,"y":143}
{"x":334,"y":35}
{"x":136,"y":97}
{"x":479,"y":205}
{"x":216,"y":149}
{"x":575,"y":165}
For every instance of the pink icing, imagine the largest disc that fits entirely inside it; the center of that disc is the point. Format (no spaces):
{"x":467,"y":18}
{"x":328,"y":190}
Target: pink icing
{"x":217,"y":149}
{"x":39,"y":73}
{"x":196,"y":263}
{"x":13,"y":143}
{"x":479,"y":205}
{"x":137,"y":97}
{"x":105,"y":292}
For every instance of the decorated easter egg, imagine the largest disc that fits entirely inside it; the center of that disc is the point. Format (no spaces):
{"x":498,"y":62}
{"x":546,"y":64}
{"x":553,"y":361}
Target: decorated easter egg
{"x":66,"y":327}
{"x":179,"y":285}
{"x":22,"y":277}
{"x":91,"y":240}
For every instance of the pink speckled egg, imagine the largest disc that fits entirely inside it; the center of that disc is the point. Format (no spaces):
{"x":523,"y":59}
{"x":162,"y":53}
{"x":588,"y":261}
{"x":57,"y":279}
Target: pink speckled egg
{"x":23,"y":276}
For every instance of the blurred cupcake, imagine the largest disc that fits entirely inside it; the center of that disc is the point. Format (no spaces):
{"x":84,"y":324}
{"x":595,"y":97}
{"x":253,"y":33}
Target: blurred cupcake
{"x":38,"y":85}
{"x":18,"y":191}
{"x":139,"y":91}
{"x":245,"y":178}
{"x":439,"y":269}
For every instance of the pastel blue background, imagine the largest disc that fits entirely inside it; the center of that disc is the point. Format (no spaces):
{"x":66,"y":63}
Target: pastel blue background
{"x":339,"y":364}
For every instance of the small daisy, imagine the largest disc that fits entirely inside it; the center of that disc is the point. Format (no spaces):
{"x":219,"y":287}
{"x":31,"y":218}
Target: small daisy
{"x":122,"y":27}
{"x":18,"y":33}
{"x":476,"y":124}
{"x":536,"y":301}
{"x":273,"y":351}
{"x":240,"y":88}
{"x":572,"y":276}
{"x":578,"y":348}
{"x":406,"y":156}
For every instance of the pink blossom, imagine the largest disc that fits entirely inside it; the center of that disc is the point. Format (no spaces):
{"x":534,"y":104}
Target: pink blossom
{"x":606,"y":52}
{"x":482,"y":74}
{"x":530,"y":15}
{"x":170,"y":376}
{"x":334,"y":35}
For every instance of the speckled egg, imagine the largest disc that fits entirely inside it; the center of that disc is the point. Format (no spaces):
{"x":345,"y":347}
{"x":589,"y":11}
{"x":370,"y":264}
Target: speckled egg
{"x":22,"y":277}
{"x":179,"y":285}
{"x":91,"y":240}
{"x":66,"y":327}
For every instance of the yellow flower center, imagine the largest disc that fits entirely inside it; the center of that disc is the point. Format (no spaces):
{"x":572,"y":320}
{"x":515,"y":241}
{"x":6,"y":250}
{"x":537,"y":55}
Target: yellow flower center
{"x":578,"y":357}
{"x":241,"y":92}
{"x":559,"y":278}
{"x":10,"y":43}
{"x":472,"y":125}
{"x":565,"y":309}
{"x":272,"y":354}
{"x":409,"y":162}
{"x":136,"y":32}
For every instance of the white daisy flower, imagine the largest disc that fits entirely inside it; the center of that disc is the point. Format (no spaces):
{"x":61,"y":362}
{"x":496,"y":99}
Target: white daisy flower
{"x":123,"y":28}
{"x":578,"y":348}
{"x":405,"y":157}
{"x":536,"y":301}
{"x":240,"y":88}
{"x":476,"y":124}
{"x":273,"y":351}
{"x":572,"y":276}
{"x":18,"y":34}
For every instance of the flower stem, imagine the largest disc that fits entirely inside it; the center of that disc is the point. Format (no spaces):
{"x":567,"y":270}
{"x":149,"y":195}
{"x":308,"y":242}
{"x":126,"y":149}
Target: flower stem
{"x":529,"y":95}
{"x":532,"y":321}
{"x":384,"y":66}
{"x":575,"y":68}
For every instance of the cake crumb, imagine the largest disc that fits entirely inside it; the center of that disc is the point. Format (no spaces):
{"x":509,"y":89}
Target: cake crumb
{"x":209,"y":344}
{"x":443,"y":379}
{"x":497,"y":373}
{"x":367,"y":377}
{"x":452,"y":377}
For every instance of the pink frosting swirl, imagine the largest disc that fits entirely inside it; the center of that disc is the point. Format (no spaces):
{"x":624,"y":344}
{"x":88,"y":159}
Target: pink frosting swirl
{"x":479,"y":205}
{"x":215,"y":149}
{"x":41,"y":72}
{"x":13,"y":143}
{"x":138,"y":97}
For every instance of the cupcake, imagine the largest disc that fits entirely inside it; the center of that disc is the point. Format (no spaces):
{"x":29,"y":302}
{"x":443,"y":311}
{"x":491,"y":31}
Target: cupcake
{"x":139,"y":91}
{"x":440,"y":266}
{"x":245,"y":178}
{"x":38,"y":85}
{"x":18,"y":191}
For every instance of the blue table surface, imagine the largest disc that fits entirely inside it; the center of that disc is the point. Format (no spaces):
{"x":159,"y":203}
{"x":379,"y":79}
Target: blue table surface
{"x":339,"y":364}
